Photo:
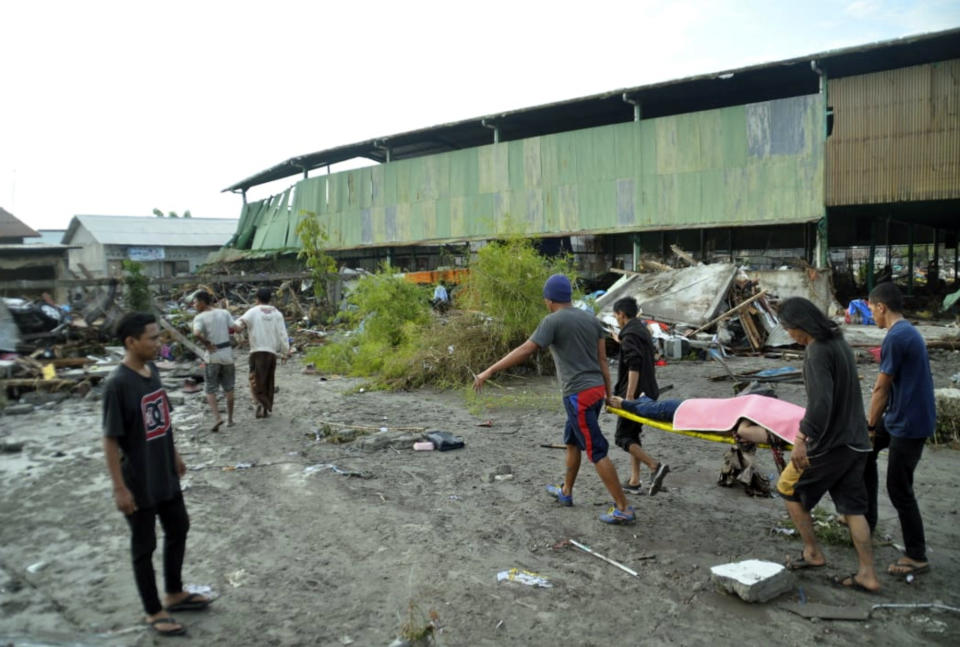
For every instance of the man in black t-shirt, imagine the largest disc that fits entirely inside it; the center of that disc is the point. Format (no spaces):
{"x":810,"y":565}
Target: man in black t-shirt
{"x":145,"y":469}
{"x":636,"y":378}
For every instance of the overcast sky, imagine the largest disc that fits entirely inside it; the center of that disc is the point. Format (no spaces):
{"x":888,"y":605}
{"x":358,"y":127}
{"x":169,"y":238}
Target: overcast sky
{"x":120,"y":107}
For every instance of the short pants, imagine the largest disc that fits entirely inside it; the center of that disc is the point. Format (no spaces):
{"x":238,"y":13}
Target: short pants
{"x":582,"y":428}
{"x":839,"y":472}
{"x":215,"y":375}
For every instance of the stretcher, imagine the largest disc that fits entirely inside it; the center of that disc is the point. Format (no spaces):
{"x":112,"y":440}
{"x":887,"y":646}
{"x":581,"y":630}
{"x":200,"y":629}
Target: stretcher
{"x":776,"y":448}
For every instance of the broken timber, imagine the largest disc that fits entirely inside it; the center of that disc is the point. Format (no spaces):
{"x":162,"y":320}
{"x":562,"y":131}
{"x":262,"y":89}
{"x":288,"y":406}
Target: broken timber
{"x":726,"y":314}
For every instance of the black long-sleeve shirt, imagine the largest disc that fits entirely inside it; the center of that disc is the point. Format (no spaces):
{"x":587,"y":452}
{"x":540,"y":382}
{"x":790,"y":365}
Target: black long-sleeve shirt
{"x":636,"y":354}
{"x":835,"y":415}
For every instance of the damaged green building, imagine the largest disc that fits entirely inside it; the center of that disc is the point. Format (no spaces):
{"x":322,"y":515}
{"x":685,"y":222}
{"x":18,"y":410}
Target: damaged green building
{"x":840,"y":158}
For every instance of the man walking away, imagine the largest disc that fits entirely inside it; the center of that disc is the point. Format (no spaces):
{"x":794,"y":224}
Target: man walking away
{"x":635,"y":377}
{"x":212,"y":326}
{"x":577,"y":342}
{"x":145,"y":469}
{"x":904,"y":389}
{"x":268,"y":339}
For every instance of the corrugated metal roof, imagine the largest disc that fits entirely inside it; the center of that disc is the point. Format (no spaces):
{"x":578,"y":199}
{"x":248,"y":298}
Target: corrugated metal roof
{"x":752,"y":84}
{"x":155,"y":232}
{"x":48,"y":237}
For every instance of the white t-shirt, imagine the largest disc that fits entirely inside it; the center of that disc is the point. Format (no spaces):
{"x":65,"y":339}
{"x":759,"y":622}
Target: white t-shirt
{"x":214,"y":326}
{"x":268,"y":332}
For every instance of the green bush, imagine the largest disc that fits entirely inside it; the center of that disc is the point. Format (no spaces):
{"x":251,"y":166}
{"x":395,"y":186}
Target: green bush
{"x":506,"y":282}
{"x":386,"y":312}
{"x":401,"y":344}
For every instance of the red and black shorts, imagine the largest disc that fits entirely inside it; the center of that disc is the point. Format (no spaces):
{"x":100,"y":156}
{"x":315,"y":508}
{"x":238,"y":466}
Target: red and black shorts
{"x":582,"y":428}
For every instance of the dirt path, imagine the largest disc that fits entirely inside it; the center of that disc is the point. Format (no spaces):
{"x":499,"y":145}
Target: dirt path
{"x":305,"y":555}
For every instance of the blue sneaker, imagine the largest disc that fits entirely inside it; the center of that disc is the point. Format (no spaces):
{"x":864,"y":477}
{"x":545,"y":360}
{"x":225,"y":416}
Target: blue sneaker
{"x":556,"y":491}
{"x":617,"y":517}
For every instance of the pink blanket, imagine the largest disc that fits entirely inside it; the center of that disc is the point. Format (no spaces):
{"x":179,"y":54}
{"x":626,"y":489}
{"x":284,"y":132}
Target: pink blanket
{"x":707,"y":414}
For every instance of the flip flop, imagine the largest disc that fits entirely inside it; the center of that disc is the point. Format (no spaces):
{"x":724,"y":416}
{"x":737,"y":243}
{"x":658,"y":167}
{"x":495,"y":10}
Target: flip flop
{"x":216,"y":427}
{"x":903,"y":568}
{"x":193,"y":602}
{"x":850,"y":582}
{"x":179,"y":631}
{"x":802,"y":563}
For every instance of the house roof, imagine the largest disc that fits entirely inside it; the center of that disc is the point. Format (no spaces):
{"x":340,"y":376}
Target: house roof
{"x":48,"y":237}
{"x":150,"y":231}
{"x":13,"y":227}
{"x":751,"y":84}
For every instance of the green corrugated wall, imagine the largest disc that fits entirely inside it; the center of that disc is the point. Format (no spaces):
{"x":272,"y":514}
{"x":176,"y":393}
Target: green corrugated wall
{"x":760,"y":163}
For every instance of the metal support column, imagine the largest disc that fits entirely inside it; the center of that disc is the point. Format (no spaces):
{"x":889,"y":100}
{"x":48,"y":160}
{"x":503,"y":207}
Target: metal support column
{"x":910,"y":259}
{"x":933,"y":269}
{"x":823,"y":252}
{"x":871,"y":267}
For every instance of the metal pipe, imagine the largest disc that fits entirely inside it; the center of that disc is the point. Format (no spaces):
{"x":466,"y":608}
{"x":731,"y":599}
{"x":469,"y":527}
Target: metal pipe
{"x":495,"y":128}
{"x":635,"y":103}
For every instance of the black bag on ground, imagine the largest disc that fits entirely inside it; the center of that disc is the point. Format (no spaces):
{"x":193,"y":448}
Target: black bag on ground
{"x":444,"y":440}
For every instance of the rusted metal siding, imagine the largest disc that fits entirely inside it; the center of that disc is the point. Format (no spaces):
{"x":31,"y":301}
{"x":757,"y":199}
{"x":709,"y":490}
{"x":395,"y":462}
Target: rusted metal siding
{"x":896,"y":136}
{"x":760,"y":163}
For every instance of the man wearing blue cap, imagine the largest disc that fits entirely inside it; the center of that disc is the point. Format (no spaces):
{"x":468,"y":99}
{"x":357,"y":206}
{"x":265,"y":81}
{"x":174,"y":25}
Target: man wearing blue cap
{"x":576,"y":341}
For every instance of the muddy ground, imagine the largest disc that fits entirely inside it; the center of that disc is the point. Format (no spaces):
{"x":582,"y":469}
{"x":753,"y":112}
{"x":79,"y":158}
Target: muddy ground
{"x":303,"y":556}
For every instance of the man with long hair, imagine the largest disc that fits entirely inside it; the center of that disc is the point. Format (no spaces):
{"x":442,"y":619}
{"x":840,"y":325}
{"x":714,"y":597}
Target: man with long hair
{"x":831,"y":449}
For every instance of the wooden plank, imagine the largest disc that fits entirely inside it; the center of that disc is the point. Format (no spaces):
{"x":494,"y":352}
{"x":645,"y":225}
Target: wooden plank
{"x":728,"y":313}
{"x":166,"y":325}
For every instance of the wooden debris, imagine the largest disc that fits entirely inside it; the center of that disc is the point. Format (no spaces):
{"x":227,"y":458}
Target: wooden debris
{"x":726,"y":314}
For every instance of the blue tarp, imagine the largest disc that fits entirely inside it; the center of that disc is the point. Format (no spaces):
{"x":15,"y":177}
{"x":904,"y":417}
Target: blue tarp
{"x":860,"y":307}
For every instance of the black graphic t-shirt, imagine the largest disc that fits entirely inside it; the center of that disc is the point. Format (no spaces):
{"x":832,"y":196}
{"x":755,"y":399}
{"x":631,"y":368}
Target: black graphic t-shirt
{"x":136,"y":412}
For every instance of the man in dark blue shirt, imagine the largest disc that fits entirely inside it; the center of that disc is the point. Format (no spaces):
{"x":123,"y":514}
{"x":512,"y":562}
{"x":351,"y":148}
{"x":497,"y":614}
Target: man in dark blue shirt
{"x":902,"y":416}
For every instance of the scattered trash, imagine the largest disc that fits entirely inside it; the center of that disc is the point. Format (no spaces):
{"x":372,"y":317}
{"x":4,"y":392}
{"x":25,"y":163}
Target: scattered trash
{"x":489,"y":423}
{"x":339,"y":470}
{"x":444,"y":440}
{"x":237,"y":578}
{"x":587,"y":549}
{"x":423,"y":446}
{"x":238,"y":466}
{"x":524,"y":577}
{"x":955,"y":378}
{"x":36,"y":567}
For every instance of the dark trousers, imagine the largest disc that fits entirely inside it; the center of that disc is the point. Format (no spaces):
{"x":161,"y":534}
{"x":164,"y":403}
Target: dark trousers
{"x":263,"y":366}
{"x":902,"y":461}
{"x":143,"y":541}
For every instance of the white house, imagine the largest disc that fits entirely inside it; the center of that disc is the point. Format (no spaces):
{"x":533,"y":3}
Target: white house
{"x":165,"y":246}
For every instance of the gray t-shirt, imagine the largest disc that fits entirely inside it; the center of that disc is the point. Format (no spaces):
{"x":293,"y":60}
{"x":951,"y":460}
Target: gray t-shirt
{"x":572,"y":335}
{"x":214,"y":325}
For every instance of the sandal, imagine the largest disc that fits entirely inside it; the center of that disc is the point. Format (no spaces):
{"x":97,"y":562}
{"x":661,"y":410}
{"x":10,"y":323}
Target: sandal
{"x":802,"y":563}
{"x":900,"y":568}
{"x":178,"y":630}
{"x":850,"y":582}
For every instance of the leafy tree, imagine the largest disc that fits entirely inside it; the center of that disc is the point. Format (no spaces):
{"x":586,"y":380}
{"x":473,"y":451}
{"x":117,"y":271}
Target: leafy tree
{"x":137,"y":294}
{"x":158,"y":213}
{"x":313,"y":242}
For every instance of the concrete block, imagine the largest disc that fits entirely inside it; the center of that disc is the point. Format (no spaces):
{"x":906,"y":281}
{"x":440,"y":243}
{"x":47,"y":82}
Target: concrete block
{"x":753,"y":580}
